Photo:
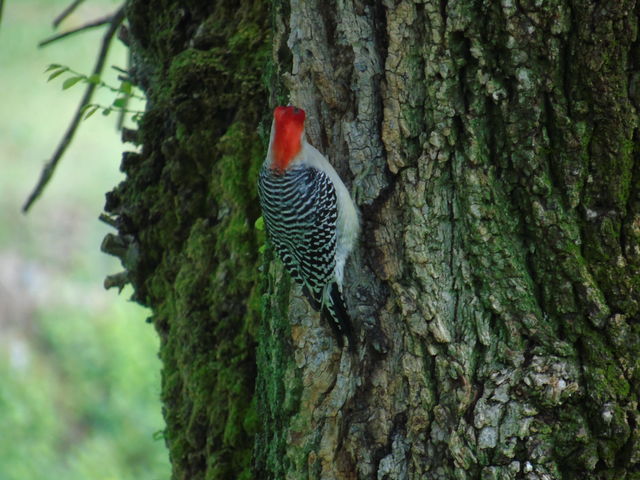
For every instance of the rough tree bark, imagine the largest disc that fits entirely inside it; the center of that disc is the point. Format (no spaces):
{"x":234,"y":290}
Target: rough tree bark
{"x":492,"y":148}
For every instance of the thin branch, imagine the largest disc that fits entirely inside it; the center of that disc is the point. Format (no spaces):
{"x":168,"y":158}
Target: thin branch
{"x":49,"y":168}
{"x":1,"y":5}
{"x":66,"y":12}
{"x":123,"y":113}
{"x":120,"y":70}
{"x":102,"y":83}
{"x":87,"y":26}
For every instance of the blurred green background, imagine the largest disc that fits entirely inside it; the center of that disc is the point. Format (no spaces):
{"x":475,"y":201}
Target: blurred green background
{"x":79,"y":373}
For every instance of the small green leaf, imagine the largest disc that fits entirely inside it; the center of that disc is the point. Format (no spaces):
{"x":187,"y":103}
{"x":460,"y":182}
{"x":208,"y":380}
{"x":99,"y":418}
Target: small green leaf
{"x":56,"y":73}
{"x":260,"y":223}
{"x":95,"y":79}
{"x":262,"y":248}
{"x":91,"y":111}
{"x":71,"y":81}
{"x":106,"y":111}
{"x":125,"y":87}
{"x":53,"y":66}
{"x":120,"y":102}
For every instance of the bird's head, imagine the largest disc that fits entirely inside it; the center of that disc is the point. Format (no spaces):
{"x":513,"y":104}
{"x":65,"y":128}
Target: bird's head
{"x":288,"y":123}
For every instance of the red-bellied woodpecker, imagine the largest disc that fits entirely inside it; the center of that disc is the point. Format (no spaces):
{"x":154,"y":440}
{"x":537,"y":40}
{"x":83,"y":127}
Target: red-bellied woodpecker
{"x":310,"y":217}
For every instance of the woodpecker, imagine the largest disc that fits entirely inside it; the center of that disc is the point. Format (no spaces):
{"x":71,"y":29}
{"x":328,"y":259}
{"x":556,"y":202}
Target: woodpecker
{"x":309,"y":216}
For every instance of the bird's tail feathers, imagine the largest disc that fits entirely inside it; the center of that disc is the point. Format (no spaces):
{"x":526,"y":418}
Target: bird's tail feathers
{"x":334,"y":310}
{"x":315,"y":303}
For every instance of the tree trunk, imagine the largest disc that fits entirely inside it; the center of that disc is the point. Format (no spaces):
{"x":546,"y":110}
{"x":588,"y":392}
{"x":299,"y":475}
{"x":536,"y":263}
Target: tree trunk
{"x":492,"y":151}
{"x":186,"y":214}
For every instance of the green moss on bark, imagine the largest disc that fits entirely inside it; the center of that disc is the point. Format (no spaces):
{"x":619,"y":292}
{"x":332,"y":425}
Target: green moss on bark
{"x":189,"y":204}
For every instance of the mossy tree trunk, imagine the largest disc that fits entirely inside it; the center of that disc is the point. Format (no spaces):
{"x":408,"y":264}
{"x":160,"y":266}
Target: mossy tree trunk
{"x":491,"y":147}
{"x":186,"y":214}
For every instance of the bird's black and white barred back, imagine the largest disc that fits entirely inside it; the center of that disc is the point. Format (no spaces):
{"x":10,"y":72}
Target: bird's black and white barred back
{"x":300,"y":215}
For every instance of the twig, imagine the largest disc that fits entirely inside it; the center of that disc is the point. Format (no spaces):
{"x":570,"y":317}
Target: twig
{"x":66,"y":12}
{"x":49,"y":168}
{"x":1,"y":5}
{"x":87,"y":26}
{"x":123,"y":112}
{"x":102,"y":83}
{"x":120,"y":70}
